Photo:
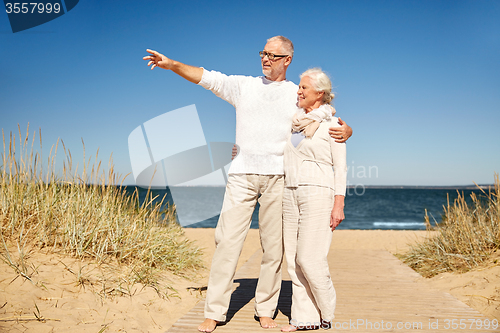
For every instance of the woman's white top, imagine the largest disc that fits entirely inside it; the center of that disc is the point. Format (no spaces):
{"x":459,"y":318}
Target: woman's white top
{"x":318,"y":161}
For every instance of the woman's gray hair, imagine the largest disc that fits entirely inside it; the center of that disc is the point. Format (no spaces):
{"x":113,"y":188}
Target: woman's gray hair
{"x":286,"y":44}
{"x":320,"y":82}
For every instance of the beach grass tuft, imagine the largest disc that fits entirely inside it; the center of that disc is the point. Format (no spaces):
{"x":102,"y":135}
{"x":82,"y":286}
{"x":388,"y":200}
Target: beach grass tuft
{"x":86,"y":213}
{"x":466,"y":238}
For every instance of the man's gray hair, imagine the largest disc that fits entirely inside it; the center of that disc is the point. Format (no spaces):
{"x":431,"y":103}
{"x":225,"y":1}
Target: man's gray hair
{"x":320,"y":82}
{"x":286,"y":44}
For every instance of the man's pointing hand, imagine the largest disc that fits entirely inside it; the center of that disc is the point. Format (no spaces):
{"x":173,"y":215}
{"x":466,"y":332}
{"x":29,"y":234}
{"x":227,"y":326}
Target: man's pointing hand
{"x":158,"y":60}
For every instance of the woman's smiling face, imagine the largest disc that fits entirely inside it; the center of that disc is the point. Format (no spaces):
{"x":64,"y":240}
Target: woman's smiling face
{"x":308,"y":98}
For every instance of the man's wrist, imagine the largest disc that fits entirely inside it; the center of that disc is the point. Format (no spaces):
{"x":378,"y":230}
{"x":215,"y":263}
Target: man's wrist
{"x":173,"y":65}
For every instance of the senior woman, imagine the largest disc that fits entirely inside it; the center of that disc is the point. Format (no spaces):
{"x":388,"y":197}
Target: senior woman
{"x":313,"y":202}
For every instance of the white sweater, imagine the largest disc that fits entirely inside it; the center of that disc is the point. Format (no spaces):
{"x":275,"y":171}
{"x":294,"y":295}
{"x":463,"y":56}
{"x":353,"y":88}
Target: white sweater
{"x":264,"y":111}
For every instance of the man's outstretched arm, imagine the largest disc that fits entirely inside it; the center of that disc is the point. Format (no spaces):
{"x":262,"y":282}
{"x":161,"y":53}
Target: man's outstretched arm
{"x":190,"y":73}
{"x":342,"y":133}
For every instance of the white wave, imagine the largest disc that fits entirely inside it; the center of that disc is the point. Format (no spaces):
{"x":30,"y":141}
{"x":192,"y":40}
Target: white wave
{"x":397,"y":224}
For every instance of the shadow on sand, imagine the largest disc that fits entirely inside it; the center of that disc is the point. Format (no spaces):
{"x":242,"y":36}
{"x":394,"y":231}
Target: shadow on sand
{"x":245,"y":292}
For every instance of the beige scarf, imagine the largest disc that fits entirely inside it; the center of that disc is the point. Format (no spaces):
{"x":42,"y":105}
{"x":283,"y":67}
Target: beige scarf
{"x":308,"y":123}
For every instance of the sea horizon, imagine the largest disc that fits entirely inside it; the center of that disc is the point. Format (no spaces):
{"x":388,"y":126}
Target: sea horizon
{"x":366,"y":208}
{"x":437,"y":187}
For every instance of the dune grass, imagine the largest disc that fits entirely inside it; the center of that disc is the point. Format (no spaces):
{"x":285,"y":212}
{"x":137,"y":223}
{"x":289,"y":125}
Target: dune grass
{"x":467,"y":236}
{"x":81,"y":212}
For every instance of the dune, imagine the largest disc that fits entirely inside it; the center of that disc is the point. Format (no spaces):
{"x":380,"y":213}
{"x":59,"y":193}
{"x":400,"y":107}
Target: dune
{"x":70,"y":295}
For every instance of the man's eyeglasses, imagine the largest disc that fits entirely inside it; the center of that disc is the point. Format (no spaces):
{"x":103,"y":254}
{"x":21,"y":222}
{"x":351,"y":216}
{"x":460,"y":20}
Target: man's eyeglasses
{"x":271,"y":56}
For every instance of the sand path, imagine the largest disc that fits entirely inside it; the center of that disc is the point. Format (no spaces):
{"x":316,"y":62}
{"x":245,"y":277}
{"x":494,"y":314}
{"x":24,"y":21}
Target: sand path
{"x":68,"y":307}
{"x":375,"y":292}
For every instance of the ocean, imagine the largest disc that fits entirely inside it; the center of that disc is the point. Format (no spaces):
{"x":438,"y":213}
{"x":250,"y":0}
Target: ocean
{"x":365,"y":208}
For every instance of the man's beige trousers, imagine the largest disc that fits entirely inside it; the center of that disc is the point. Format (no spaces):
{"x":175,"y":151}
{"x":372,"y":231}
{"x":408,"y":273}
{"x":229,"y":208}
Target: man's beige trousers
{"x":242,"y":193}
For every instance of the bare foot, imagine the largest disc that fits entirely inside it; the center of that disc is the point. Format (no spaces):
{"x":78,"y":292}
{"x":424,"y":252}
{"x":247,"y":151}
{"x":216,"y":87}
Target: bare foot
{"x":288,"y":328}
{"x":267,"y":322}
{"x":208,"y":325}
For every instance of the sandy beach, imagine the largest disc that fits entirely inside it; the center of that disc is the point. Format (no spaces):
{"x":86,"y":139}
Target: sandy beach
{"x":63,"y":294}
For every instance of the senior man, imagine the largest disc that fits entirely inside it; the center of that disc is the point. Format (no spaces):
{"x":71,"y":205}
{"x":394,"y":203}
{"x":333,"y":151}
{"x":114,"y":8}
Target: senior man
{"x":264,"y":109}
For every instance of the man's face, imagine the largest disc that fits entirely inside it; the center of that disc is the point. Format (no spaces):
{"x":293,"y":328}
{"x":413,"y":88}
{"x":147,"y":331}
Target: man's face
{"x":274,"y":70}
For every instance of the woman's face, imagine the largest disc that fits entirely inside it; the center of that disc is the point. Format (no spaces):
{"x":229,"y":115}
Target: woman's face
{"x":308,"y":98}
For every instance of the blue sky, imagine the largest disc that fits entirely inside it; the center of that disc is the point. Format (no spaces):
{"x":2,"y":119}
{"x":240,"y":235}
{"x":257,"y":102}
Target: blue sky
{"x":419,"y":81}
